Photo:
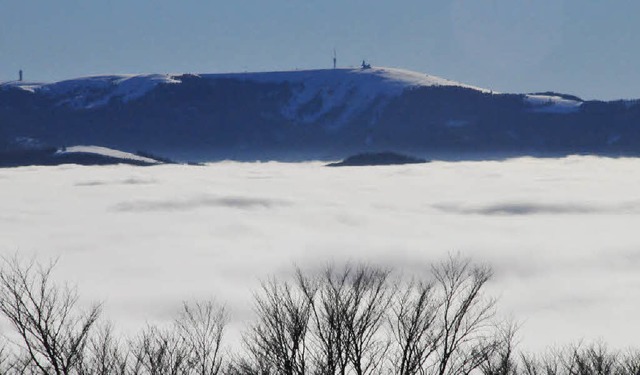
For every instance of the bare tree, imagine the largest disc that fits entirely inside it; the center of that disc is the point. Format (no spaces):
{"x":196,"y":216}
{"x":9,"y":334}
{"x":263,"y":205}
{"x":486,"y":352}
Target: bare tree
{"x":53,"y":333}
{"x":581,"y":359}
{"x":503,"y":361}
{"x":256,"y":363}
{"x":467,"y":331}
{"x":6,"y":360}
{"x":594,"y":359}
{"x":104,"y":355}
{"x":348,"y":312}
{"x":201,"y":326}
{"x":365,"y":308}
{"x":279,"y":338}
{"x":325,"y":294}
{"x":442,"y":327}
{"x":158,"y":351}
{"x":18,"y":365}
{"x":413,"y":326}
{"x":547,"y":364}
{"x":629,"y":363}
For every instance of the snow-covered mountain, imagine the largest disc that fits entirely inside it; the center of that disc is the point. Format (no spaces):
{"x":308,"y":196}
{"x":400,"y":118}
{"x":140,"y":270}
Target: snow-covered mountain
{"x":309,"y":114}
{"x":335,"y":86}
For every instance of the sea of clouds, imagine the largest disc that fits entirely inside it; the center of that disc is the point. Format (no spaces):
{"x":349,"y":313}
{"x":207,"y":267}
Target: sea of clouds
{"x":562,"y":235}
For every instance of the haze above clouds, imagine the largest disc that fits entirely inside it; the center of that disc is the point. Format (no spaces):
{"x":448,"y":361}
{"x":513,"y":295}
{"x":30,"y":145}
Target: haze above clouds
{"x":561,"y":234}
{"x":586,"y":48}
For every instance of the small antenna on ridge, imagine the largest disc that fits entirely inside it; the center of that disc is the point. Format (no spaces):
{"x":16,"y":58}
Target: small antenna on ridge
{"x":335,"y":59}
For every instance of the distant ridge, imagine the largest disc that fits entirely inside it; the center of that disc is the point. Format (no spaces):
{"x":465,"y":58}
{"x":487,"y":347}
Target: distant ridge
{"x":310,"y":115}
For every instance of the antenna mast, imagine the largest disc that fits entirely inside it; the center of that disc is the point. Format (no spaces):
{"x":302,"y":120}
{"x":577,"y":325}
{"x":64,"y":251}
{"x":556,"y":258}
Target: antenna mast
{"x":335,"y":59}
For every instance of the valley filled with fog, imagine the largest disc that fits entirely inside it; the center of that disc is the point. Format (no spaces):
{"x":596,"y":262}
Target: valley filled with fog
{"x":560,"y":234}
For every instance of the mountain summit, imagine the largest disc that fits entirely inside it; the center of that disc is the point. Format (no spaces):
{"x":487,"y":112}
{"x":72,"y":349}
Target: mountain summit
{"x":312,"y":114}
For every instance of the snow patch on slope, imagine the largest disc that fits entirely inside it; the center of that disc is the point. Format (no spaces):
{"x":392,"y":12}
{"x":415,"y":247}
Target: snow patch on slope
{"x":108,"y":152}
{"x":92,"y":92}
{"x":21,"y":85}
{"x":552,"y":104}
{"x":352,"y":90}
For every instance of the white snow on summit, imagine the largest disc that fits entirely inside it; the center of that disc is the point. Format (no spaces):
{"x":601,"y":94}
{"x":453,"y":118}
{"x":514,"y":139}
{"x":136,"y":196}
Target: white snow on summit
{"x":352,"y":90}
{"x":392,"y":80}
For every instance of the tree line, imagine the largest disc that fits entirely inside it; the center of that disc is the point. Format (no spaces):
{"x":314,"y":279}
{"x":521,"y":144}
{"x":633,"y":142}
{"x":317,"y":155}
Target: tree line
{"x":353,"y":319}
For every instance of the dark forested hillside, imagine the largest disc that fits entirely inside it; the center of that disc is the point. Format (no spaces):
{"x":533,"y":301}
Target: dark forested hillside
{"x":311,"y":115}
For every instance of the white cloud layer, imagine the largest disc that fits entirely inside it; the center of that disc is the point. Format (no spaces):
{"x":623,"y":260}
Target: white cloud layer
{"x":561,"y":234}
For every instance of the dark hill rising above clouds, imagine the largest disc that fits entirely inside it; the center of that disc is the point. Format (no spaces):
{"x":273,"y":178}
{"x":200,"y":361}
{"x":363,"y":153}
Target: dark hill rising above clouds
{"x":317,"y":114}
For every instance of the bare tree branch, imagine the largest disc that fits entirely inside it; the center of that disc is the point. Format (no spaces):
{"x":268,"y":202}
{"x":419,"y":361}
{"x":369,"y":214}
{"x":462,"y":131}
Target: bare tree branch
{"x":201,"y":326}
{"x":159,"y":351}
{"x":54,"y":335}
{"x":280,"y":335}
{"x":413,"y":326}
{"x":467,"y":331}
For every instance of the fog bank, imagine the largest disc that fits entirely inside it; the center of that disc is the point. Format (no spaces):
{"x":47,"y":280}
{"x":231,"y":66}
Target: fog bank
{"x":561,"y":234}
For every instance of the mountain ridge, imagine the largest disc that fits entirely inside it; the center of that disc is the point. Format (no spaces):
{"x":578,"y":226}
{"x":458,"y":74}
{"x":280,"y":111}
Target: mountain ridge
{"x":310,"y":114}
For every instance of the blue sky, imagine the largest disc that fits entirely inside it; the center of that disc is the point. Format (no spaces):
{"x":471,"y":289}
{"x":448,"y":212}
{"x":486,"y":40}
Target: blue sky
{"x":582,"y":47}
